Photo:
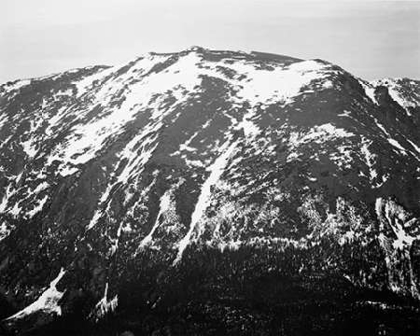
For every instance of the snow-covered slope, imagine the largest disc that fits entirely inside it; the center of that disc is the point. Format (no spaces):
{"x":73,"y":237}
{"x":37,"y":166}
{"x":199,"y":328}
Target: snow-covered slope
{"x":113,"y":173}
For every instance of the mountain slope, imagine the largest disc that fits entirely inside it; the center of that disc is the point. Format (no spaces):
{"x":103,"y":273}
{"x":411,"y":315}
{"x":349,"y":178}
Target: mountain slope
{"x":208,"y":165}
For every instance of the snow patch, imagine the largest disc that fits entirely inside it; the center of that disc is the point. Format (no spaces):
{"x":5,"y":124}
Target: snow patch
{"x":417,"y":148}
{"x":282,"y":84}
{"x":15,"y":85}
{"x":38,"y":207}
{"x":46,"y":303}
{"x":370,"y":160}
{"x":3,"y":120}
{"x":164,"y":204}
{"x":397,"y":145}
{"x":4,"y":231}
{"x":86,"y":83}
{"x":29,"y":148}
{"x":320,"y":134}
{"x":104,"y":306}
{"x":369,"y":91}
{"x":5,"y":200}
{"x":40,"y":187}
{"x":216,"y":170}
{"x":396,"y":92}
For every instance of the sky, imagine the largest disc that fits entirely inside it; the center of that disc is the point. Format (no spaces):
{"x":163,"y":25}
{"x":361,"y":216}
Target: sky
{"x":371,"y":39}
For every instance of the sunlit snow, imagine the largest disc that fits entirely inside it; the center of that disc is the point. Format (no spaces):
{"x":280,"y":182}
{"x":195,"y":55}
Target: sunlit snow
{"x":46,"y":303}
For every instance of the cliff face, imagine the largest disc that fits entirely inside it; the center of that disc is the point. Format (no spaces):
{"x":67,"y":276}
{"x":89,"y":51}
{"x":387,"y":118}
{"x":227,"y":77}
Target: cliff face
{"x":213,"y":186}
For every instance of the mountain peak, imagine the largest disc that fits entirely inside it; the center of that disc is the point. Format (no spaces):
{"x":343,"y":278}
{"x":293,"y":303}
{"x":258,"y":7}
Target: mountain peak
{"x":243,"y":175}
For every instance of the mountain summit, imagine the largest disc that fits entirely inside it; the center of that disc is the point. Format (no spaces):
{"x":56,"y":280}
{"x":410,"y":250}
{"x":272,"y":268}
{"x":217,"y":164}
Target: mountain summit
{"x":210,"y":192}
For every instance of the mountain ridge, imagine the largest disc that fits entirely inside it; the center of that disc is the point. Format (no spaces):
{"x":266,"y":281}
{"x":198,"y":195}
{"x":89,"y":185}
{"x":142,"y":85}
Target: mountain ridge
{"x":202,"y":49}
{"x":111,"y":174}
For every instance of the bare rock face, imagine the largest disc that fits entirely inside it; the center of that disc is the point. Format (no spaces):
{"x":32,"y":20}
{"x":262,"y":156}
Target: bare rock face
{"x":209,"y":192}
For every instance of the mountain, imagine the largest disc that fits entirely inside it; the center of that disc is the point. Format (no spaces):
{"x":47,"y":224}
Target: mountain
{"x":210,"y":192}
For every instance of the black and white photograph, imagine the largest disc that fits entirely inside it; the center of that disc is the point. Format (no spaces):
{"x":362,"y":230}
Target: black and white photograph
{"x":209,"y":168}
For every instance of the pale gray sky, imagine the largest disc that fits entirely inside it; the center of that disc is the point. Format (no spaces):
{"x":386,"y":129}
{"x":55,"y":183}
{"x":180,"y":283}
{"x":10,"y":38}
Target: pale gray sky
{"x":371,"y":39}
